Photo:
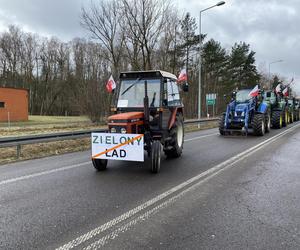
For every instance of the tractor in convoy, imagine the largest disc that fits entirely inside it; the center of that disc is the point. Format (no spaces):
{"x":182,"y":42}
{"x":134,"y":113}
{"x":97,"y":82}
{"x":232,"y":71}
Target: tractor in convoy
{"x":296,"y":109}
{"x":147,"y":105}
{"x":291,"y":109}
{"x":246,"y":112}
{"x":278,"y":108}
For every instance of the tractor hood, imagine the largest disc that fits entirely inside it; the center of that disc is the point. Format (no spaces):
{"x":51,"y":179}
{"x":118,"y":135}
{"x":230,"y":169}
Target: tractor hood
{"x":126,"y":117}
{"x":241,"y":107}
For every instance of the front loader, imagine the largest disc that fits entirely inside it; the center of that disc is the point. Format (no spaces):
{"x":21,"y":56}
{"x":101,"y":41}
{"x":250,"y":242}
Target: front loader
{"x":246,"y":112}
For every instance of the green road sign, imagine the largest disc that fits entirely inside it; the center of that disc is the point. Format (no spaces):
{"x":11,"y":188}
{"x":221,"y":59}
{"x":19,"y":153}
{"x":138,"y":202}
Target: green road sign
{"x":210,"y":101}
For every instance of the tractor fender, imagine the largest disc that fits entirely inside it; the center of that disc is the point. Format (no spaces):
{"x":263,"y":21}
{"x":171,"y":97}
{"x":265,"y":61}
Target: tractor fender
{"x":263,"y":107}
{"x":172,"y":119}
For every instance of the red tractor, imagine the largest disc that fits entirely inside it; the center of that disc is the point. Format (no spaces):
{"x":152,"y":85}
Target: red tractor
{"x":148,"y":103}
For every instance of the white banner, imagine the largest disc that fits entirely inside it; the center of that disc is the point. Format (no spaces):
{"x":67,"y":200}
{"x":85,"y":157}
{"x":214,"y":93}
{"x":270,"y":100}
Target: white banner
{"x":211,"y":96}
{"x":112,"y":146}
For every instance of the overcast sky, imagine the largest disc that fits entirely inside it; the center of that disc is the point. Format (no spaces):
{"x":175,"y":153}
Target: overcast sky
{"x":272,"y":27}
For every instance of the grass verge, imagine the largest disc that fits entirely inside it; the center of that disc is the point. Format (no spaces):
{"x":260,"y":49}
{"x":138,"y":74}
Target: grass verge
{"x":47,"y":125}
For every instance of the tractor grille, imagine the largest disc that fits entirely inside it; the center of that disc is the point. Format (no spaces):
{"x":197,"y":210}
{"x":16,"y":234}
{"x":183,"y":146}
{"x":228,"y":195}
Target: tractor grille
{"x":239,"y":113}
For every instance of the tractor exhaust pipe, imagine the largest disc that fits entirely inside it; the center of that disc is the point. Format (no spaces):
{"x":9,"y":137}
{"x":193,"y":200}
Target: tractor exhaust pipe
{"x":146,"y":106}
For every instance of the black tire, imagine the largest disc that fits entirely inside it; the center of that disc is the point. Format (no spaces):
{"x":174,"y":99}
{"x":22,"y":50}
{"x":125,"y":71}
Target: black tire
{"x":277,"y":119}
{"x":177,"y":133}
{"x":267,"y":122}
{"x":99,"y":164}
{"x":221,"y":124}
{"x":259,"y":124}
{"x":155,"y":156}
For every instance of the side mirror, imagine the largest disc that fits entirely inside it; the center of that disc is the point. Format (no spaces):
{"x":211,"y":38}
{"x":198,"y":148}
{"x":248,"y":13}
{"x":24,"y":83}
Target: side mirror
{"x":185,"y":87}
{"x":233,"y":95}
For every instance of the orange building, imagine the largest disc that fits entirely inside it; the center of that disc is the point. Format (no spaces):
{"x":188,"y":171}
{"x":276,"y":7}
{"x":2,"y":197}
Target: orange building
{"x":13,"y":104}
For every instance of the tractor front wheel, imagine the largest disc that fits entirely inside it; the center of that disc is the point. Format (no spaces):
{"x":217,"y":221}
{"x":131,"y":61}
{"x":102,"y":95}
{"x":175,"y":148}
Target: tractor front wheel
{"x":221,"y":124}
{"x":99,"y":164}
{"x":155,"y":156}
{"x":277,"y":119}
{"x":259,"y":124}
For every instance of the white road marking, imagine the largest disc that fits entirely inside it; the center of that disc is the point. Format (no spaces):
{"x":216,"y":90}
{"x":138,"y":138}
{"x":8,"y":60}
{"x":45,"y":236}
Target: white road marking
{"x":25,"y":177}
{"x":198,"y":179}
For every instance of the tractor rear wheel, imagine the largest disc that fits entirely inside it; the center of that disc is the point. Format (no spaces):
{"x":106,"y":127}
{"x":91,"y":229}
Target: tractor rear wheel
{"x":277,"y":119}
{"x":177,"y":134}
{"x":155,"y":156}
{"x":259,"y":124}
{"x":99,"y":164}
{"x":221,"y":124}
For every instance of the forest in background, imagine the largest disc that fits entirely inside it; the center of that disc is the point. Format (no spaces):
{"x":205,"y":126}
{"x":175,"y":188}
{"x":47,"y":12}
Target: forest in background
{"x":68,"y":78}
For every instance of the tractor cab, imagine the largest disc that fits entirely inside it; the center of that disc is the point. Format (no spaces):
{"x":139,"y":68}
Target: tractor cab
{"x":145,"y":99}
{"x":270,"y":97}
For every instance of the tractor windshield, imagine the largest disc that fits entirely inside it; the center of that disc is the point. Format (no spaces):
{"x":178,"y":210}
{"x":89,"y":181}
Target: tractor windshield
{"x":132,"y":93}
{"x":243,"y":95}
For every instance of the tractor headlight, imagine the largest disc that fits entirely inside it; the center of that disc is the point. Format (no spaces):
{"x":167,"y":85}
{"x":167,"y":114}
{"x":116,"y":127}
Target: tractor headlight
{"x":235,"y":113}
{"x":243,"y":113}
{"x":123,"y":130}
{"x":113,"y":130}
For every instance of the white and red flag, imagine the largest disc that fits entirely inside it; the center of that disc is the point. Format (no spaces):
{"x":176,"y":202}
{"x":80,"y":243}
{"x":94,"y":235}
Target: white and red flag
{"x":254,"y":92}
{"x":182,"y":76}
{"x":285,"y":92}
{"x":278,"y":88}
{"x":111,"y":84}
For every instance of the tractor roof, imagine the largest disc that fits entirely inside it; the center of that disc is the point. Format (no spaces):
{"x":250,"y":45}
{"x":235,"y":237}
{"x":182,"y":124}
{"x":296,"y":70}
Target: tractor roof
{"x":148,"y":73}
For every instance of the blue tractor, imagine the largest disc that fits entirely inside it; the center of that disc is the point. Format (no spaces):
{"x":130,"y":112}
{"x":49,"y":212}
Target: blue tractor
{"x":246,"y":112}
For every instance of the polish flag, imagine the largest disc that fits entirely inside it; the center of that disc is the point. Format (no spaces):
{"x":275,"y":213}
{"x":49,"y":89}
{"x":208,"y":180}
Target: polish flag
{"x":182,"y":76}
{"x":254,"y":92}
{"x":278,"y":88}
{"x":285,"y":92}
{"x":110,"y":84}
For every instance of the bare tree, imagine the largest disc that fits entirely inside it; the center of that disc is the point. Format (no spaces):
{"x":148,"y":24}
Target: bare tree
{"x":144,"y":21}
{"x":102,"y":20}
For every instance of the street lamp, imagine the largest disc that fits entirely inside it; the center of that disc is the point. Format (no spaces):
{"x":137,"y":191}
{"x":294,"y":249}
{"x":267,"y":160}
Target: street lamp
{"x":278,"y":61}
{"x":200,"y":47}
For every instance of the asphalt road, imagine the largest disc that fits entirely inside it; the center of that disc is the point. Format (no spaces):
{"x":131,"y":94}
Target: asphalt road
{"x":223,"y":193}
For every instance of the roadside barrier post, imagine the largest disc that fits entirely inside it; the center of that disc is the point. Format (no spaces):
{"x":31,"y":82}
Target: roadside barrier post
{"x":18,"y":151}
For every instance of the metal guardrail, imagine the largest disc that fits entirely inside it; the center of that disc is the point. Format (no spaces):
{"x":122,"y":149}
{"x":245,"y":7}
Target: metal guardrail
{"x":201,"y":120}
{"x":32,"y":139}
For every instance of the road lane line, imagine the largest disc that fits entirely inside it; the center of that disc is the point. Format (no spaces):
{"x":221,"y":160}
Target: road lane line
{"x":25,"y":177}
{"x":198,"y":179}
